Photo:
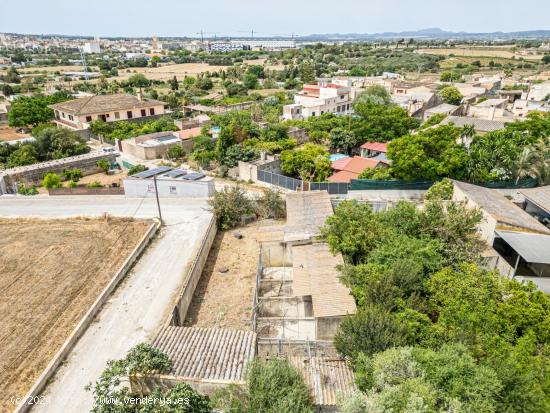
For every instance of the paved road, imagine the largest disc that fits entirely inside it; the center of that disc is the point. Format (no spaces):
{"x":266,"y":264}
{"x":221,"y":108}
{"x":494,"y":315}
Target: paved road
{"x":139,"y":305}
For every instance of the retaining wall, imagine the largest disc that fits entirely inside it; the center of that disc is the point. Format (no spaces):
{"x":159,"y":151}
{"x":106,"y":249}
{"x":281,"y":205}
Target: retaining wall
{"x":193,"y":275}
{"x":50,"y":370}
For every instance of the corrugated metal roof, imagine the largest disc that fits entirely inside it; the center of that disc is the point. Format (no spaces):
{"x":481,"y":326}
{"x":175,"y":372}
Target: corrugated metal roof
{"x":533,"y":248}
{"x":207,"y":353}
{"x":314,"y":273}
{"x":326,"y":377}
{"x":538,"y":196}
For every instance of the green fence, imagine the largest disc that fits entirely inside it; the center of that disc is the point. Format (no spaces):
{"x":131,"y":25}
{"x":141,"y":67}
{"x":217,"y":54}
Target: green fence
{"x":522,"y":183}
{"x":370,"y":184}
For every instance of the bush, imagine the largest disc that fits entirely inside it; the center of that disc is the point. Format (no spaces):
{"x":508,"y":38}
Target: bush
{"x":273,"y":386}
{"x":229,"y":206}
{"x":271,"y":205}
{"x":51,"y":180}
{"x":104,"y":165}
{"x":175,"y":152}
{"x":95,"y":184}
{"x":27,"y":190}
{"x":137,"y":169}
{"x":73,"y":175}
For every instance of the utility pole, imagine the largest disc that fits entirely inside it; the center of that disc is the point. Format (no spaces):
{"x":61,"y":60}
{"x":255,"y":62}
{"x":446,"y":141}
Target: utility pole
{"x":157,"y":196}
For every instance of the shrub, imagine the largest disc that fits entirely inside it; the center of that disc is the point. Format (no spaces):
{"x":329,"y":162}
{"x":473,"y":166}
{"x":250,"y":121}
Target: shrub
{"x":95,"y":184}
{"x":27,"y":190}
{"x":271,"y":205}
{"x":175,"y":152}
{"x":104,"y":165}
{"x":73,"y":175}
{"x":442,"y":190}
{"x":137,"y":169}
{"x":51,"y":180}
{"x":229,"y":206}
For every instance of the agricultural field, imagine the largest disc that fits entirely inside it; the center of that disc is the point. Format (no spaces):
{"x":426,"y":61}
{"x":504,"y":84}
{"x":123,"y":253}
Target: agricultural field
{"x":475,"y":52}
{"x":51,"y":271}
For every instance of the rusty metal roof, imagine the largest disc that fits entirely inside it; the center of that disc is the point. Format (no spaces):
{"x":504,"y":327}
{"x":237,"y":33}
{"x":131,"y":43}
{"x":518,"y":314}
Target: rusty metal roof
{"x":326,"y":377}
{"x":314,"y":273}
{"x":207,"y":353}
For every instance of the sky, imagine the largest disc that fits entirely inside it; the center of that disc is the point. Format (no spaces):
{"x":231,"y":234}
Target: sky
{"x":181,"y":18}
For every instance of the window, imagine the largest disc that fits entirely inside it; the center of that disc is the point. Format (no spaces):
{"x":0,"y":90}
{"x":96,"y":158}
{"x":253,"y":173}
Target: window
{"x":88,"y":118}
{"x":129,"y":114}
{"x":71,"y":117}
{"x":107,"y":115}
{"x":151,"y":188}
{"x":143,"y":112}
{"x":62,"y":114}
{"x":173,"y":190}
{"x":152,"y":111}
{"x":348,"y":106}
{"x":322,"y":112}
{"x":312,"y":113}
{"x":117,"y":115}
{"x":342,"y":97}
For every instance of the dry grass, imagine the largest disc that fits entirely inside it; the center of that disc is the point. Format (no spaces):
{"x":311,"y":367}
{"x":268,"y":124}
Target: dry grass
{"x":51,"y":271}
{"x":485,"y":52}
{"x":224,"y":300}
{"x":9,"y":134}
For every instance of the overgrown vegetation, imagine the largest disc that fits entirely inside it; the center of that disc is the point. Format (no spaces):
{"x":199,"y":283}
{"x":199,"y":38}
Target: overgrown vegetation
{"x":124,"y":129}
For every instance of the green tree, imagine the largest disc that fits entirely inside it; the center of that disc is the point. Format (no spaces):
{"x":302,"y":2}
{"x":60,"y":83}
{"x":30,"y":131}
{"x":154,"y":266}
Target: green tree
{"x":25,"y":155}
{"x":307,"y":72}
{"x":137,"y":169}
{"x":174,"y":85}
{"x":250,"y":81}
{"x":309,"y":162}
{"x":139,"y":80}
{"x":229,"y":206}
{"x":451,"y":95}
{"x":343,"y":140}
{"x":175,"y":152}
{"x":374,"y":94}
{"x":73,"y":175}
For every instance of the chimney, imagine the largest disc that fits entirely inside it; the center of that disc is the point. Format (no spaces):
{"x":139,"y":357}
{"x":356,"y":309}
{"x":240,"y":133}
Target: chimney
{"x":492,"y":111}
{"x":140,"y":96}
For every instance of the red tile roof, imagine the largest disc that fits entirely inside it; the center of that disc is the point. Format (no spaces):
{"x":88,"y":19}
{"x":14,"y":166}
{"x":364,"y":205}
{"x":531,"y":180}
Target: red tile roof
{"x":356,"y":164}
{"x":189,"y":133}
{"x":343,"y":177}
{"x":340,"y":164}
{"x":376,"y":146}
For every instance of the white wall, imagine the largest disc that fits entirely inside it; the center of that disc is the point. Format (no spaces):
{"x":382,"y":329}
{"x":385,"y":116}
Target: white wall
{"x":169,"y":188}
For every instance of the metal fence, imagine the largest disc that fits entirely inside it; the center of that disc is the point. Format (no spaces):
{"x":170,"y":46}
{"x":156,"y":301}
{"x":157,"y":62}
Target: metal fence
{"x":333,"y":188}
{"x":280,"y":180}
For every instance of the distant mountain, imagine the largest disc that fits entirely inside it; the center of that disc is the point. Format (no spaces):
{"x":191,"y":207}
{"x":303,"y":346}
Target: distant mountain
{"x":429,"y":34}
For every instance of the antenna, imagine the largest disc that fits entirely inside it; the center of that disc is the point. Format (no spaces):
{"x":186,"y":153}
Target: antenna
{"x":83,"y":59}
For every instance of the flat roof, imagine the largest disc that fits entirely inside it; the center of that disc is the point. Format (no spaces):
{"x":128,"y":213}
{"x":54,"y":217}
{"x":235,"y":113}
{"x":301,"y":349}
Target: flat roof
{"x":501,"y":208}
{"x":207,"y":353}
{"x":306,"y":214}
{"x":533,"y":248}
{"x":315,"y":274}
{"x":538,"y":196}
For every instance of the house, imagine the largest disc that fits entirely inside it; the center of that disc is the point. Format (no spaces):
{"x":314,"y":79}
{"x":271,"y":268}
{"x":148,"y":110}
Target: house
{"x":481,"y":126}
{"x":318,"y":99}
{"x":169,"y":182}
{"x":150,"y":146}
{"x":522,"y":107}
{"x":374,"y":149}
{"x":537,"y":203}
{"x":350,"y":168}
{"x":539,"y":91}
{"x":491,"y":109}
{"x":443,"y":109}
{"x":519,"y":244}
{"x":79,"y":113}
{"x":415,"y":100}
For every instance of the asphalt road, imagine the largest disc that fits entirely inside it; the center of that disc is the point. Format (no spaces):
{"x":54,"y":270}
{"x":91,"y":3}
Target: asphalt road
{"x":140,"y":304}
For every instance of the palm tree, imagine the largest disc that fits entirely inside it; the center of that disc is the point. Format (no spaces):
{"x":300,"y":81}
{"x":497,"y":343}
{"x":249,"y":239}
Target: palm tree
{"x":523,"y":165}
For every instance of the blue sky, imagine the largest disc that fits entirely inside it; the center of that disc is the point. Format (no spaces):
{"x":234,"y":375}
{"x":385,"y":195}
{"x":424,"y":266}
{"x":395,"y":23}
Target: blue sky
{"x":274,"y":17}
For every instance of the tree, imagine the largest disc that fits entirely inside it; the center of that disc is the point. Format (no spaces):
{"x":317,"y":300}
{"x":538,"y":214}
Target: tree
{"x":205,"y":83}
{"x":343,"y":140}
{"x":137,"y":169}
{"x":174,"y":83}
{"x":72,"y":175}
{"x":271,"y":205}
{"x":451,"y":95}
{"x":56,"y":143}
{"x":309,"y":162}
{"x":104,"y":165}
{"x":139,"y":80}
{"x":7,"y":90}
{"x":51,"y":180}
{"x":353,"y":231}
{"x":442,"y":190}
{"x":546,"y":59}
{"x":273,"y":386}
{"x":175,"y":152}
{"x":307,"y":72}
{"x":229,"y":206}
{"x":250,"y":81}
{"x":375,"y":94}
{"x":430,"y":154}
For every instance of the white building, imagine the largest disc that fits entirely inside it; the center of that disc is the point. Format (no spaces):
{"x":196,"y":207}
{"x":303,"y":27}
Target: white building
{"x":224,"y":47}
{"x":266,"y":44}
{"x":539,"y":92}
{"x":318,"y":99}
{"x":92,"y":47}
{"x":171,"y":183}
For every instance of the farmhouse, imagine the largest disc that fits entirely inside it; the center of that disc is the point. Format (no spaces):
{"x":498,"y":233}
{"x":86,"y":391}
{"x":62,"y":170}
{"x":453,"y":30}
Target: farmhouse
{"x":79,"y":113}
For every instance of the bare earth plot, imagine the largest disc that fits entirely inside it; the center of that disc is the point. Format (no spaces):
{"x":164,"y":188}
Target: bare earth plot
{"x":224,"y":300}
{"x":51,"y":271}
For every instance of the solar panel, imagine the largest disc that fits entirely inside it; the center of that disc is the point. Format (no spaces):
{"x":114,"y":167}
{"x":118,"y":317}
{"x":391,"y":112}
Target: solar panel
{"x":165,"y":138}
{"x":152,"y":172}
{"x":195,"y":176}
{"x":175,"y":173}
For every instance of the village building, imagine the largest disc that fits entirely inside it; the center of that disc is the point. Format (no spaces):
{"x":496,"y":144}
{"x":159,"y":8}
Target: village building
{"x":318,"y":99}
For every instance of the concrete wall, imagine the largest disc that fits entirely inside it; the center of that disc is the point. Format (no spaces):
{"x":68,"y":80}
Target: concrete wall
{"x":144,"y":385}
{"x":49,"y":371}
{"x":270,"y":347}
{"x":275,"y":254}
{"x":327,"y":327}
{"x":193,"y":276}
{"x":284,"y":328}
{"x":169,"y":188}
{"x":293,"y":307}
{"x":488,"y":225}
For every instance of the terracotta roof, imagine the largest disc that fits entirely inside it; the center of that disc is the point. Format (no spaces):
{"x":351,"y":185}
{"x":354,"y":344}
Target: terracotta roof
{"x":104,"y":103}
{"x":339,"y":164}
{"x":376,"y":146}
{"x":207,"y":353}
{"x":343,"y":177}
{"x":356,"y":164}
{"x":326,"y":377}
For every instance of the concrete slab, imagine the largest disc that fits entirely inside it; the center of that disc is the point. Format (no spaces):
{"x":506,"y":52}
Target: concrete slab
{"x":140,"y":305}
